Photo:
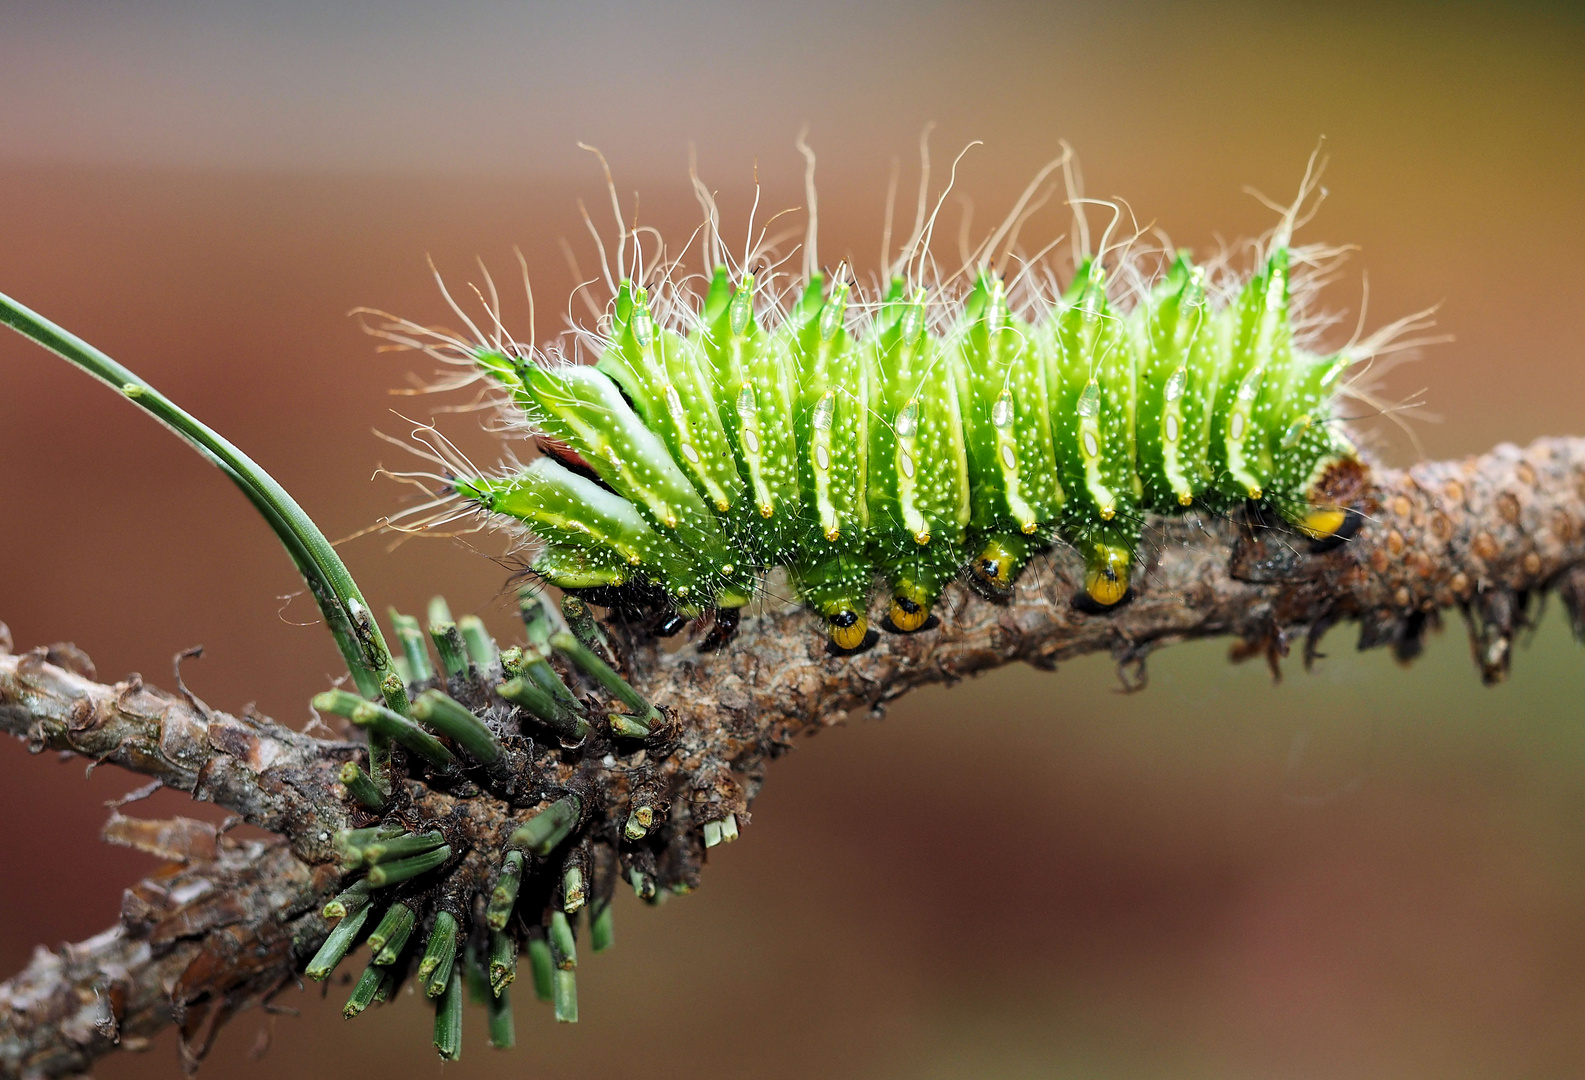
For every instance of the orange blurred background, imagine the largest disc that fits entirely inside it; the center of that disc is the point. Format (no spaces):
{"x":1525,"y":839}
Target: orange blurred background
{"x":1363,"y":872}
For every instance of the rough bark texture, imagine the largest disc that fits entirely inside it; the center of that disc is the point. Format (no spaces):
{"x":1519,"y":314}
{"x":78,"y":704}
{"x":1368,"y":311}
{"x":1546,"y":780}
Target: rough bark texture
{"x":272,"y":776}
{"x":196,"y":943}
{"x":228,"y":926}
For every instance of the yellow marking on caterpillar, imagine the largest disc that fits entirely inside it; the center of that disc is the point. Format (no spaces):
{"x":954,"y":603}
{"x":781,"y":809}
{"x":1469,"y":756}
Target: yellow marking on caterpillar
{"x":1106,"y":574}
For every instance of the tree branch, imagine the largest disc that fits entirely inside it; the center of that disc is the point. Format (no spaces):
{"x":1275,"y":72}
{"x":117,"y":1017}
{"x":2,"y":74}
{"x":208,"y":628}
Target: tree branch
{"x":196,"y":944}
{"x":1488,"y":535}
{"x":274,"y":777}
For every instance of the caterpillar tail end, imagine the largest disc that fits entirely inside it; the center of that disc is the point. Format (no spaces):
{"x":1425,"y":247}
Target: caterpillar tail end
{"x":1107,"y":570}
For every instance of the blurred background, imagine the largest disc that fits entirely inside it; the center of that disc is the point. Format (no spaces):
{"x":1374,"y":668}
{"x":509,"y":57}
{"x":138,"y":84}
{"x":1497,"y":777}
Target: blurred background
{"x":1361,"y":872}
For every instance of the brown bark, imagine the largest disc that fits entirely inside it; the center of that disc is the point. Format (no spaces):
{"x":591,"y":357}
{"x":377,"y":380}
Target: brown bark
{"x":272,"y":776}
{"x":196,"y":943}
{"x":1488,"y":535}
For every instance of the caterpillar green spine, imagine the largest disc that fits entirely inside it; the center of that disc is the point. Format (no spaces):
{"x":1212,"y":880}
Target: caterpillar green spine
{"x":906,"y":452}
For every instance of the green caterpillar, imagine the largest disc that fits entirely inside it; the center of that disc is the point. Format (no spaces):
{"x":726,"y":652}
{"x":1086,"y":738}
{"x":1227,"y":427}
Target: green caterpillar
{"x":911,"y":437}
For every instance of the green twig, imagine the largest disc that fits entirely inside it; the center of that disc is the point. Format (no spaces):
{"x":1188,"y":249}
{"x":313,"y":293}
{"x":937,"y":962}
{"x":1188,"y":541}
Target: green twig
{"x":339,"y":599}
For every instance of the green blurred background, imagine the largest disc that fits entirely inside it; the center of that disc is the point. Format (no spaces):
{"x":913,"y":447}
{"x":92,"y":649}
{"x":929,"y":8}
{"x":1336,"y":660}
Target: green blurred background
{"x":1362,"y":872}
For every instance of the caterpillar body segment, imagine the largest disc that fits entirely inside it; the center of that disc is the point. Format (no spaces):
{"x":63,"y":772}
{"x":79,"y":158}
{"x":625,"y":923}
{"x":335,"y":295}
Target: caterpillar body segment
{"x":1177,"y":386}
{"x":1011,"y":456}
{"x":919,"y":490}
{"x":1007,"y":398}
{"x":583,"y":408}
{"x":753,"y":387}
{"x":568,"y":511}
{"x":661,"y":370}
{"x":1092,"y":361}
{"x":908,"y":446}
{"x":835,"y":572}
{"x":1259,"y":362}
{"x":1311,"y":444}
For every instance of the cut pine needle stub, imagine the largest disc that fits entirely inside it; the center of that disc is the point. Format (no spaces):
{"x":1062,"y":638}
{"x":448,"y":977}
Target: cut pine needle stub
{"x":503,"y":961}
{"x":541,"y":833}
{"x":564,"y":985}
{"x":562,"y":946}
{"x":503,"y":896}
{"x":387,"y":940}
{"x":440,"y":953}
{"x":337,"y":945}
{"x":572,"y":889}
{"x":361,"y":786}
{"x":449,"y":644}
{"x":562,"y":717}
{"x":363,"y":993}
{"x":503,"y":1035}
{"x":448,"y":1017}
{"x":477,"y":641}
{"x":413,"y":649}
{"x":347,"y":901}
{"x":598,"y":670}
{"x":386,"y":722}
{"x":723,"y":831}
{"x":541,"y":965}
{"x":453,"y":719}
{"x":602,"y":929}
{"x":400,"y":847}
{"x":400,"y":870}
{"x":580,"y":620}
